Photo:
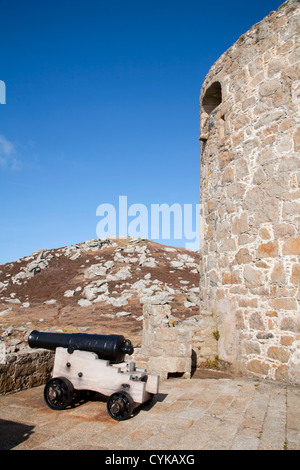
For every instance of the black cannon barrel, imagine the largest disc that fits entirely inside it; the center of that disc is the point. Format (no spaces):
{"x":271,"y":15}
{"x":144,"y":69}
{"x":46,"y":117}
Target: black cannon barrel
{"x":109,"y":347}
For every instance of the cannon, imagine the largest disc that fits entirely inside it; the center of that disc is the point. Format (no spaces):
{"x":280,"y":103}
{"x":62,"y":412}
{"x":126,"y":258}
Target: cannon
{"x":110,"y":347}
{"x":95,"y":363}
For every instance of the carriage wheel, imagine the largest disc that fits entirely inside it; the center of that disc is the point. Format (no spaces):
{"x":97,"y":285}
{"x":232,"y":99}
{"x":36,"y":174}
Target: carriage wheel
{"x":120,"y":406}
{"x":58,"y":393}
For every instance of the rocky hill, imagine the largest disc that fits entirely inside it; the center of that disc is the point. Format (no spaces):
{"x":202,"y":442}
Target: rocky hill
{"x":98,"y":286}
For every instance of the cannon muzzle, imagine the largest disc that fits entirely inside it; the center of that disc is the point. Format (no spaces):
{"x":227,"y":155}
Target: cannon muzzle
{"x":109,"y":347}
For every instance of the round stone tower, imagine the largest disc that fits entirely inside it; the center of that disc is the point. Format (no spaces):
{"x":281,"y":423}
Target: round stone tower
{"x":250,"y":199}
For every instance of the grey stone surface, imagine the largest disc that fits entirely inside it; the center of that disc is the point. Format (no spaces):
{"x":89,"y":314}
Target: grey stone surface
{"x":187,"y":414}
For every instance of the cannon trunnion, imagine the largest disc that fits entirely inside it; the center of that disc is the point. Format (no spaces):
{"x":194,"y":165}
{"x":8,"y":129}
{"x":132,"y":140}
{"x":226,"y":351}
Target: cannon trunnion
{"x":95,"y":363}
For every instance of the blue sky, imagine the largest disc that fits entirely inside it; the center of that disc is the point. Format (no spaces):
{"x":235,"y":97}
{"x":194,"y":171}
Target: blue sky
{"x":102,"y":100}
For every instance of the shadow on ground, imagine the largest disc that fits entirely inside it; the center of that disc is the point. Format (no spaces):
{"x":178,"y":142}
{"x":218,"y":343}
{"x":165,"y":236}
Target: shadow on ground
{"x":13,"y":433}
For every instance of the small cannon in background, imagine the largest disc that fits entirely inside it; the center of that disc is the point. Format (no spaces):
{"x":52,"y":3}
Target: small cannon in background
{"x":94,"y":362}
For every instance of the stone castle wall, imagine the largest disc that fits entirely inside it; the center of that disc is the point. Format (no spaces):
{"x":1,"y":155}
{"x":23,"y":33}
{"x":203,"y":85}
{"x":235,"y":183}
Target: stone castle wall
{"x":250,"y":198}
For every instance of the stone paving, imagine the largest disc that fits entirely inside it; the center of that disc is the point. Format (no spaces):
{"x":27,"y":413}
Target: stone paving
{"x":187,"y":414}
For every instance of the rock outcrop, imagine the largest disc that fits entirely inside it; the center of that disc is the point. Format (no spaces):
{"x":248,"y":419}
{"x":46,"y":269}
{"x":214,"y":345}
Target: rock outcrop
{"x":97,"y":286}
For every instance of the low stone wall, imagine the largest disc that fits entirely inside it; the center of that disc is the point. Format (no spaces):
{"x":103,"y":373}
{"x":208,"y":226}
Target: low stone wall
{"x":166,"y":347}
{"x":170,"y":346}
{"x":25,"y":370}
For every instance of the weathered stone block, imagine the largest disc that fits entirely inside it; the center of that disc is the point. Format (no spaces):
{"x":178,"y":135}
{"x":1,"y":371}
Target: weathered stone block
{"x":283,"y":304}
{"x":290,"y":209}
{"x":258,"y":367}
{"x":240,"y":224}
{"x":248,"y":302}
{"x":284,"y":231}
{"x":165,"y":334}
{"x":294,"y":367}
{"x":278,"y":275}
{"x":286,"y":340}
{"x":231,"y":277}
{"x":295,"y":277}
{"x":243,"y":256}
{"x":253,"y":277}
{"x":256,"y":322}
{"x":227,"y":245}
{"x":180,"y":349}
{"x":279,"y":353}
{"x":236,"y":190}
{"x":264,"y":234}
{"x":296,"y":139}
{"x":275,"y":66}
{"x":228,"y":176}
{"x":251,"y":347}
{"x":282,"y":373}
{"x":291,"y":323}
{"x":214,"y":278}
{"x":24,"y":369}
{"x":291,"y":246}
{"x":264,"y":207}
{"x":289,"y":164}
{"x":224,"y":158}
